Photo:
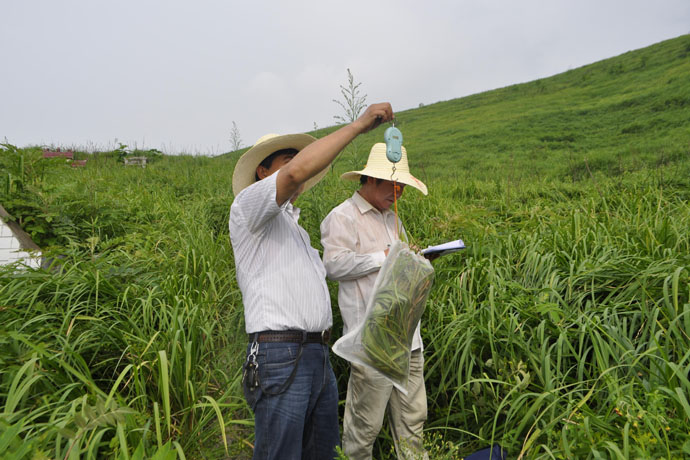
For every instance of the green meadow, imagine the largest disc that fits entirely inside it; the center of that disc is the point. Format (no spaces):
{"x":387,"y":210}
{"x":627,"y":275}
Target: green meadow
{"x":562,"y":331}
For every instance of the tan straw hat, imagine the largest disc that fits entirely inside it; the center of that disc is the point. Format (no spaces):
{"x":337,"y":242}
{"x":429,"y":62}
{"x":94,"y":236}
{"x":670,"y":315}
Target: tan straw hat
{"x":245,"y":169}
{"x":380,"y":167}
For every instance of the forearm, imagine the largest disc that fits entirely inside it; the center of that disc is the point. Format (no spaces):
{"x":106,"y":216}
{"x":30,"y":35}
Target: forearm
{"x":343,"y":265}
{"x":339,"y":237}
{"x":319,"y":154}
{"x":316,"y":157}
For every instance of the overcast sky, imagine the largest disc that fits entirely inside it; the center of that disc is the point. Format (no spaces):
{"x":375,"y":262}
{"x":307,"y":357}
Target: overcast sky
{"x":175,"y":74}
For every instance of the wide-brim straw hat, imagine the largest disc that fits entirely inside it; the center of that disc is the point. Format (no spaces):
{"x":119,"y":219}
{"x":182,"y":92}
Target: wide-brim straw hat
{"x":245,"y":169}
{"x":380,"y":167}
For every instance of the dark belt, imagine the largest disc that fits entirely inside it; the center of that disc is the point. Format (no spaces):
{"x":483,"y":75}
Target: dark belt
{"x":291,"y":336}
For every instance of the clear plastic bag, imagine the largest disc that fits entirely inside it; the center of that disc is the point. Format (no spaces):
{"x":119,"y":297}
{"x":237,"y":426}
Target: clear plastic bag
{"x":383,"y":340}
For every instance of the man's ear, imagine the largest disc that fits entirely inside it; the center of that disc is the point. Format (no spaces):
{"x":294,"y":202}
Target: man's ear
{"x":262,"y":172}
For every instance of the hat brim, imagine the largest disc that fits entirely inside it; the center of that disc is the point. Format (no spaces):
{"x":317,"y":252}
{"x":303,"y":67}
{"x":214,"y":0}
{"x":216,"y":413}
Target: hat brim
{"x":380,"y":167}
{"x":403,"y":178}
{"x":245,"y":169}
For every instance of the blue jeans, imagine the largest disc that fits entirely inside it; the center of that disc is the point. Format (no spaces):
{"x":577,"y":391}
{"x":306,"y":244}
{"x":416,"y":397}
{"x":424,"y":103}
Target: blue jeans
{"x":302,"y":421}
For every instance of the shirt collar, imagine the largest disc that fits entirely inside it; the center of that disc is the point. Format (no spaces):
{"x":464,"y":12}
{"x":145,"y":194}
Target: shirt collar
{"x":364,"y":206}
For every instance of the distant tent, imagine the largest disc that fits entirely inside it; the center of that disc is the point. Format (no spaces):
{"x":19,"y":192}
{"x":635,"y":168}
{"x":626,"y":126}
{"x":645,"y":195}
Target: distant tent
{"x":15,"y":244}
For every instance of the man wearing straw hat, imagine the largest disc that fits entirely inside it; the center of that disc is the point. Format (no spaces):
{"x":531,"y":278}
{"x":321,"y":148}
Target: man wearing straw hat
{"x":287,"y":377}
{"x":355,"y":237}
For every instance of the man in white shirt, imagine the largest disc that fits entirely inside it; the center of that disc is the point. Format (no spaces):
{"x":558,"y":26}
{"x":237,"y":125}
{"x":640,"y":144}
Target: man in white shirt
{"x":355,"y":237}
{"x":288,"y":380}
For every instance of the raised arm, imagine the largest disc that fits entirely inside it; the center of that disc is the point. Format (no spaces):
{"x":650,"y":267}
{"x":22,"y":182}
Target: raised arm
{"x":320,"y":153}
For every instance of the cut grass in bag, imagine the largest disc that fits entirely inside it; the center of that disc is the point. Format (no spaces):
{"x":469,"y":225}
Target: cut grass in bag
{"x":384,"y":338}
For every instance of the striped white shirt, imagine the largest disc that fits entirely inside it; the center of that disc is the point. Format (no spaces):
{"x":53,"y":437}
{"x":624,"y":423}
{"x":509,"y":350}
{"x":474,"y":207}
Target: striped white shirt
{"x":354,"y":237}
{"x":281,"y":276}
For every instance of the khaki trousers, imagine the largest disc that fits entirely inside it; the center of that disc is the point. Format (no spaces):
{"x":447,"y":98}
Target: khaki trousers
{"x":369,"y":395}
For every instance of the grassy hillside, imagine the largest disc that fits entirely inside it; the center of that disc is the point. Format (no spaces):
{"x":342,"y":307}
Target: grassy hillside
{"x":618,"y":115}
{"x":561,"y":332}
{"x":614,"y":116}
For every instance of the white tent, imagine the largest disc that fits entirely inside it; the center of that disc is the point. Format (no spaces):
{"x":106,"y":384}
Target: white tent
{"x":15,"y":244}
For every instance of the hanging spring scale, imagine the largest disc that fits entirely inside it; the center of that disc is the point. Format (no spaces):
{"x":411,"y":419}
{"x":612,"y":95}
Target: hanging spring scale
{"x":394,"y":139}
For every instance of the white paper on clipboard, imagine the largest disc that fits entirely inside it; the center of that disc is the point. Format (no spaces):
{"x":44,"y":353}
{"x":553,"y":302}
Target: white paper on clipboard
{"x":445,"y":248}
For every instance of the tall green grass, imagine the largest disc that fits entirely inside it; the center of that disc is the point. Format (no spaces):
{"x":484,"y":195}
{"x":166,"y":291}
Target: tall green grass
{"x":130,"y":342}
{"x":562,"y":330}
{"x":565,"y":332}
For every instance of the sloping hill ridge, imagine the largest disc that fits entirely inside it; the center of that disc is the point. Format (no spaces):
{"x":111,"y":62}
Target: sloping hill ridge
{"x":617,"y":115}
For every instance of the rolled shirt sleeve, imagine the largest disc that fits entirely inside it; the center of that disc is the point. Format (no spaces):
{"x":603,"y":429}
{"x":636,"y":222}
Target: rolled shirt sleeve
{"x":256,"y":205}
